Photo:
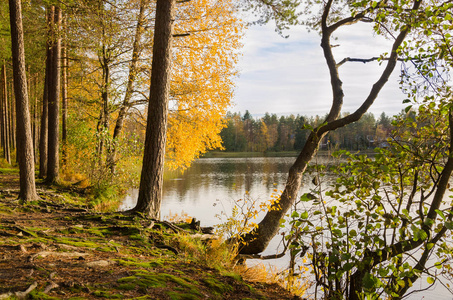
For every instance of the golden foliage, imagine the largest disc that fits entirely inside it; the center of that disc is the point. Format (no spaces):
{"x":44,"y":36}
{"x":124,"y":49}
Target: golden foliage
{"x":202,"y":78}
{"x":203,"y":70}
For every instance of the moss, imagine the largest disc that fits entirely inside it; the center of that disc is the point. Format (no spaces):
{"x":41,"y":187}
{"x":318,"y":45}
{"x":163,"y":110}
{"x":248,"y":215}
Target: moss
{"x":215,"y":285}
{"x":5,"y":210}
{"x":9,"y":170}
{"x":137,"y":237}
{"x":182,"y":296}
{"x":143,"y":280}
{"x":106,"y":249}
{"x":108,"y":295}
{"x":40,"y":296}
{"x":127,"y":286}
{"x":233,"y":275}
{"x":38,"y":240}
{"x":76,"y":242}
{"x":28,"y":232}
{"x":182,"y":281}
{"x":142,"y":264}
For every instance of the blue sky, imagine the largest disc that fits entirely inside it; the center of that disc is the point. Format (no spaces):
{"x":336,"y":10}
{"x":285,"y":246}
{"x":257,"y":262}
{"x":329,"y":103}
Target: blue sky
{"x":290,"y":76}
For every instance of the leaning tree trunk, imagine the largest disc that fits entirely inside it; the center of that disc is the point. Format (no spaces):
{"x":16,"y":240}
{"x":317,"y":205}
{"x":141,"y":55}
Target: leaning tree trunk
{"x":111,"y":158}
{"x":257,"y":240}
{"x":151,"y":180}
{"x":54,"y":104}
{"x":24,"y":138}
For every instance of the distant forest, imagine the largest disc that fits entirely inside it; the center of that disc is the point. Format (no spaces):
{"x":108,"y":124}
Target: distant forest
{"x":244,"y":133}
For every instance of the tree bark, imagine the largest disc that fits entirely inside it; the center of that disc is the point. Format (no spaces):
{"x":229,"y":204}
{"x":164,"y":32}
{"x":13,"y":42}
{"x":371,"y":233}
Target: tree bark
{"x":111,"y":159}
{"x":43,"y":135}
{"x":64,"y":95}
{"x":24,"y":138}
{"x":150,"y":191}
{"x":54,"y":103}
{"x":257,"y":240}
{"x":104,"y":57}
{"x":12,"y":124}
{"x":44,"y":119}
{"x":6,"y":117}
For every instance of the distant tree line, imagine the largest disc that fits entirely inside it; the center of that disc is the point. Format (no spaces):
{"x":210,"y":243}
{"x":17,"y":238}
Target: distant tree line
{"x":244,"y":133}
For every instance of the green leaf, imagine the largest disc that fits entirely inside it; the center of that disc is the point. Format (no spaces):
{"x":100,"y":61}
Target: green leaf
{"x":430,"y":280}
{"x":304,"y":215}
{"x":307,"y":197}
{"x":383,"y":272}
{"x":369,"y":282}
{"x":408,"y":108}
{"x":441,"y":214}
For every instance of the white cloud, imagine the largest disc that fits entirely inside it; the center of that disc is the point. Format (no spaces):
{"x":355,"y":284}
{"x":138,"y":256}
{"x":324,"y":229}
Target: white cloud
{"x":290,"y":75}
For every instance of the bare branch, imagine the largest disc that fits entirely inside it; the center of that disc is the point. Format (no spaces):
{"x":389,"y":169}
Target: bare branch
{"x":365,"y":60}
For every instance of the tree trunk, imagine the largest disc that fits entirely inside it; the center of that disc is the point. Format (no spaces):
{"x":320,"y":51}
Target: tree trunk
{"x":257,"y":240}
{"x":2,"y":119}
{"x":54,"y":103}
{"x":44,"y":121}
{"x":12,"y":125}
{"x":104,"y":58}
{"x":43,"y":135}
{"x":64,"y":95}
{"x":151,"y":180}
{"x":111,"y":159}
{"x":24,"y":139}
{"x":2,"y":122}
{"x":35,"y":116}
{"x":6,"y":116}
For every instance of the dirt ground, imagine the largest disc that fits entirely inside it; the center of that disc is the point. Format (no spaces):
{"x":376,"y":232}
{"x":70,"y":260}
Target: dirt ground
{"x":52,"y":249}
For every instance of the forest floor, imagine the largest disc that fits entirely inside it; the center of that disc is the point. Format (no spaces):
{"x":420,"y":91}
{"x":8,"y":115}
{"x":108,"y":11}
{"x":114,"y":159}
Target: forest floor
{"x":57,"y":248}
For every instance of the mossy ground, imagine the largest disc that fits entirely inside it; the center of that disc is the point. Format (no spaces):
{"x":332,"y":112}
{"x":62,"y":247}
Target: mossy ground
{"x":71,"y":252}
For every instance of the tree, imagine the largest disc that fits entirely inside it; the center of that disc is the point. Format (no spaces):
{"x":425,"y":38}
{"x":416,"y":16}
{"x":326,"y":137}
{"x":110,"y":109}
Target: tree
{"x":202,"y":79}
{"x":200,"y":90}
{"x":53,"y":92}
{"x":5,"y":115}
{"x":386,"y":220}
{"x":136,"y":49}
{"x":24,"y":138}
{"x":332,"y":19}
{"x":43,"y":140}
{"x":151,"y":180}
{"x":301,"y":133}
{"x":64,"y":92}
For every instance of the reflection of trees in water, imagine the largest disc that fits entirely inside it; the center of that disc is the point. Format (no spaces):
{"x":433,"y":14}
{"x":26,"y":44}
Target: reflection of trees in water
{"x":229,"y":176}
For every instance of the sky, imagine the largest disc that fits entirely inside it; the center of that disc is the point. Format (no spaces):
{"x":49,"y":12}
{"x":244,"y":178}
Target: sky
{"x":290,"y":76}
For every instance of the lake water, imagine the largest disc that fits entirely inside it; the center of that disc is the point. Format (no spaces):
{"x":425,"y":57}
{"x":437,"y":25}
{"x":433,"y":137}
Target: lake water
{"x":211,"y":185}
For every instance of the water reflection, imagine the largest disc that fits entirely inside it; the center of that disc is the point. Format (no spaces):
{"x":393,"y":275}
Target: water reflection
{"x":197,"y":190}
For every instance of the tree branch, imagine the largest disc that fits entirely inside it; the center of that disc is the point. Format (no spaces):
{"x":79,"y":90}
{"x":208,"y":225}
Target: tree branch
{"x":364,"y":60}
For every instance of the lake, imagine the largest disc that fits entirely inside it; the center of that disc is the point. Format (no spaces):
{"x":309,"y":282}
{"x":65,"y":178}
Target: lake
{"x":211,"y":185}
